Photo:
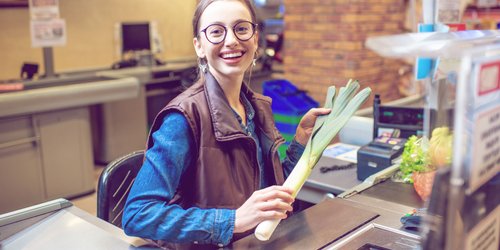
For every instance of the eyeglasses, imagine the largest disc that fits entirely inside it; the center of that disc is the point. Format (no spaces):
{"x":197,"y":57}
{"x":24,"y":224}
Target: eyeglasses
{"x":216,"y":33}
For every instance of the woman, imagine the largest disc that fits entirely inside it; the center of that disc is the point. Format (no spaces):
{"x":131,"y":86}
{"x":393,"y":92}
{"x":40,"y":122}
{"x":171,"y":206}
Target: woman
{"x":212,"y":172}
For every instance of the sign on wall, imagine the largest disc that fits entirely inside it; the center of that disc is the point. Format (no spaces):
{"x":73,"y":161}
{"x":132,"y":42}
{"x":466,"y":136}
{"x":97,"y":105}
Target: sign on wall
{"x":47,"y":29}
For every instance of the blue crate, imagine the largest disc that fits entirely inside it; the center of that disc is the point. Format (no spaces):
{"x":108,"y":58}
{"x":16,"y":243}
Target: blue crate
{"x":287,"y":98}
{"x":286,"y":128}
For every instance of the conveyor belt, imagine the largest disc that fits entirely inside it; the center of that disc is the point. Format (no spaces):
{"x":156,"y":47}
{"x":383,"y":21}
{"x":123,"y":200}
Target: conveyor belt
{"x":313,"y":228}
{"x":401,"y":193}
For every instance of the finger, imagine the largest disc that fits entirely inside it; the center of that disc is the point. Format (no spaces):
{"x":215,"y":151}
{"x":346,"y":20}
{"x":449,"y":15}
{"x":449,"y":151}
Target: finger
{"x":272,"y":215}
{"x":277,"y":194}
{"x":276,"y":205}
{"x":276,"y":188}
{"x":319,"y":111}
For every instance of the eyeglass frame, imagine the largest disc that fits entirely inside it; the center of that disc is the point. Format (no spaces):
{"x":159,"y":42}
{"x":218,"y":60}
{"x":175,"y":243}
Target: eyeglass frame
{"x":254,"y":29}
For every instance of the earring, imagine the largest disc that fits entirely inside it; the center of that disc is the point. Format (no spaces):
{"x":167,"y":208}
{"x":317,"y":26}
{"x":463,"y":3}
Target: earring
{"x":203,"y":67}
{"x":254,"y":62}
{"x":203,"y":64}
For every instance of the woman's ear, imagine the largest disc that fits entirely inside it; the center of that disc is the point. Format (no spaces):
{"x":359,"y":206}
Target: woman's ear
{"x":200,"y":52}
{"x":256,"y":39}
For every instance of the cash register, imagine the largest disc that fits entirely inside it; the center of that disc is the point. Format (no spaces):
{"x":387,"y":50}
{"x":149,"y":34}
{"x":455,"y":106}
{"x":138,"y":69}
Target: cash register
{"x":392,"y":125}
{"x":379,"y":154}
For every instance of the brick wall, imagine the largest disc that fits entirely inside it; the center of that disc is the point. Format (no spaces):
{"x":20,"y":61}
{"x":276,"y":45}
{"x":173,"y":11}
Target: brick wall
{"x":324,"y":44}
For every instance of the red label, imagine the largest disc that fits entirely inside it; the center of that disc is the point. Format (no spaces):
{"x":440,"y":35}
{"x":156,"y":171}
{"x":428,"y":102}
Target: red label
{"x":489,"y":78}
{"x":4,"y":87}
{"x":456,"y":26}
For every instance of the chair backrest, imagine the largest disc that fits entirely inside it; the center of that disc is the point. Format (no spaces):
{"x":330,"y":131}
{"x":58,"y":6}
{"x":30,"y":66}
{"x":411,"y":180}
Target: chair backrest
{"x":114,"y":186}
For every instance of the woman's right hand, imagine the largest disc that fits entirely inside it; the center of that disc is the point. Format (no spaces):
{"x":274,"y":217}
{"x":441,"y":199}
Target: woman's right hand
{"x":266,"y":204}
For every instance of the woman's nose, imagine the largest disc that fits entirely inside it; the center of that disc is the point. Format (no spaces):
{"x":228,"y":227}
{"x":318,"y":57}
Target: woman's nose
{"x":231,"y":38}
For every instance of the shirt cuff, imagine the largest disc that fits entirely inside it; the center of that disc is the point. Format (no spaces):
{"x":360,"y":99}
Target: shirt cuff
{"x":223,"y":227}
{"x":295,"y":150}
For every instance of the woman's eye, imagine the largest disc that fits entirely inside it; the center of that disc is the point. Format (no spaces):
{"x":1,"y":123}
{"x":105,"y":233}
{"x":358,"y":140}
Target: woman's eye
{"x":216,"y":32}
{"x":241,"y":29}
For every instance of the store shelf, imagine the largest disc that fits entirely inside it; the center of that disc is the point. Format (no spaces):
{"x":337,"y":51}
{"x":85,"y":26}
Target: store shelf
{"x":431,"y":44}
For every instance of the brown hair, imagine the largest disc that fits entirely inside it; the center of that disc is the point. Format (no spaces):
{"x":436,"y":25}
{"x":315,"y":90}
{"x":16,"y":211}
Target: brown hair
{"x":203,"y":4}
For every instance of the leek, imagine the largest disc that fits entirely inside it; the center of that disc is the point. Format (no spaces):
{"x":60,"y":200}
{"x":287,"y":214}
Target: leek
{"x":326,"y":127}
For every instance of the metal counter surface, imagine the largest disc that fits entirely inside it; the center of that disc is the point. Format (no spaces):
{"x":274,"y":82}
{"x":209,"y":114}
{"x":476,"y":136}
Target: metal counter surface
{"x":397,"y":192}
{"x":391,"y":201}
{"x":312,"y":228}
{"x":338,"y":222}
{"x":329,"y":224}
{"x":68,"y":228}
{"x":61,"y":96}
{"x":326,"y":221}
{"x":327,"y":185}
{"x":146,"y":74}
{"x":374,"y":236}
{"x":332,"y":183}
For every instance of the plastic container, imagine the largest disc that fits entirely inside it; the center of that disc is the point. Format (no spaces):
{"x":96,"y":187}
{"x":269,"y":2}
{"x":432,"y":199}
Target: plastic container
{"x":286,"y":128}
{"x":287,"y":98}
{"x":289,"y":105}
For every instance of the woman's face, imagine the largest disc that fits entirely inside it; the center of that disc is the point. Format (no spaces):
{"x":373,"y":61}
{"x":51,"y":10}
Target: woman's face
{"x":232,"y":56}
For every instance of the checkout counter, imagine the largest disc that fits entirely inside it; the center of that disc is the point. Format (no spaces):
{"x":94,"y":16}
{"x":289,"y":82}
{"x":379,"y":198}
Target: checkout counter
{"x":57,"y":224}
{"x":369,"y":218}
{"x":53,"y":130}
{"x":358,"y":222}
{"x":45,"y":137}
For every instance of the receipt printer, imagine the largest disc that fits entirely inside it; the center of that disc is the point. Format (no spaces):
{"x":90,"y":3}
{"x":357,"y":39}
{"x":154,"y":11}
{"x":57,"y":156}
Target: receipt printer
{"x":378,"y":155}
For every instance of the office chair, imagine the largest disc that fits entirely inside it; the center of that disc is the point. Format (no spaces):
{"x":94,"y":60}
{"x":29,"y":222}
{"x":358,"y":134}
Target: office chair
{"x":114,"y":186}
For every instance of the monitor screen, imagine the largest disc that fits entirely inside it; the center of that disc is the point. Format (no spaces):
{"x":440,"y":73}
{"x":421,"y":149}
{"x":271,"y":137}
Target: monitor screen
{"x":135,"y":36}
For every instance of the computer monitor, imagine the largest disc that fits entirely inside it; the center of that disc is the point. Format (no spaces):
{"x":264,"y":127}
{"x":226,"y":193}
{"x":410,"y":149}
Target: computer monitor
{"x":136,"y":37}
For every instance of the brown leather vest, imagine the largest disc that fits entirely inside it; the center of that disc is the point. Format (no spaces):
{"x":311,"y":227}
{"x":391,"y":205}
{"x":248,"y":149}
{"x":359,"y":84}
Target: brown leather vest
{"x":225,"y":172}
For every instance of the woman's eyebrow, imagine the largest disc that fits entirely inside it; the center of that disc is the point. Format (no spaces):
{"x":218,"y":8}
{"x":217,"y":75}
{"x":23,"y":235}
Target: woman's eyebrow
{"x":212,"y":23}
{"x":221,"y":23}
{"x":230,"y":24}
{"x":241,"y":20}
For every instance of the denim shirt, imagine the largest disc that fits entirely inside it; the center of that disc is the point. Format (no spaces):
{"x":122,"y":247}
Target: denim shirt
{"x":249,"y":129}
{"x":147,"y":214}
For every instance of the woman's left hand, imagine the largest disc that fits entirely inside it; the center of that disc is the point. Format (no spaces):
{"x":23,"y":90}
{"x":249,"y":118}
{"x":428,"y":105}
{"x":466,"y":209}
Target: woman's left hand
{"x":306,"y":124}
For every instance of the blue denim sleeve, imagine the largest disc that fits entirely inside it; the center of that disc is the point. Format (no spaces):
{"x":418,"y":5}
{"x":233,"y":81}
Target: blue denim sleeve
{"x":147,"y":213}
{"x":293,"y":154}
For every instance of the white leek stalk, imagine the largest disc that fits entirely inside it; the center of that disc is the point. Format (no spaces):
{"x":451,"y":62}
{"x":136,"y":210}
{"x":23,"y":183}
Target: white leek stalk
{"x":325,"y":129}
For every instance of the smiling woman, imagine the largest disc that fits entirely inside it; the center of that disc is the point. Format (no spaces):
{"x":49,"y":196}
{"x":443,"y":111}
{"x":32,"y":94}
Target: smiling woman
{"x":212,"y":171}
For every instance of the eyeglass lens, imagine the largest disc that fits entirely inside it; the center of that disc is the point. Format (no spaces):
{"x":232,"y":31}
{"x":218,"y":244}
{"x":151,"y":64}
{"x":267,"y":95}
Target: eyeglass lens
{"x":216,"y":33}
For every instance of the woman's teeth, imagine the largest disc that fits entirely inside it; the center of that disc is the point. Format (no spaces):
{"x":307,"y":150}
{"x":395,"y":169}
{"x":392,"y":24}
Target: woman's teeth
{"x":232,"y":55}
